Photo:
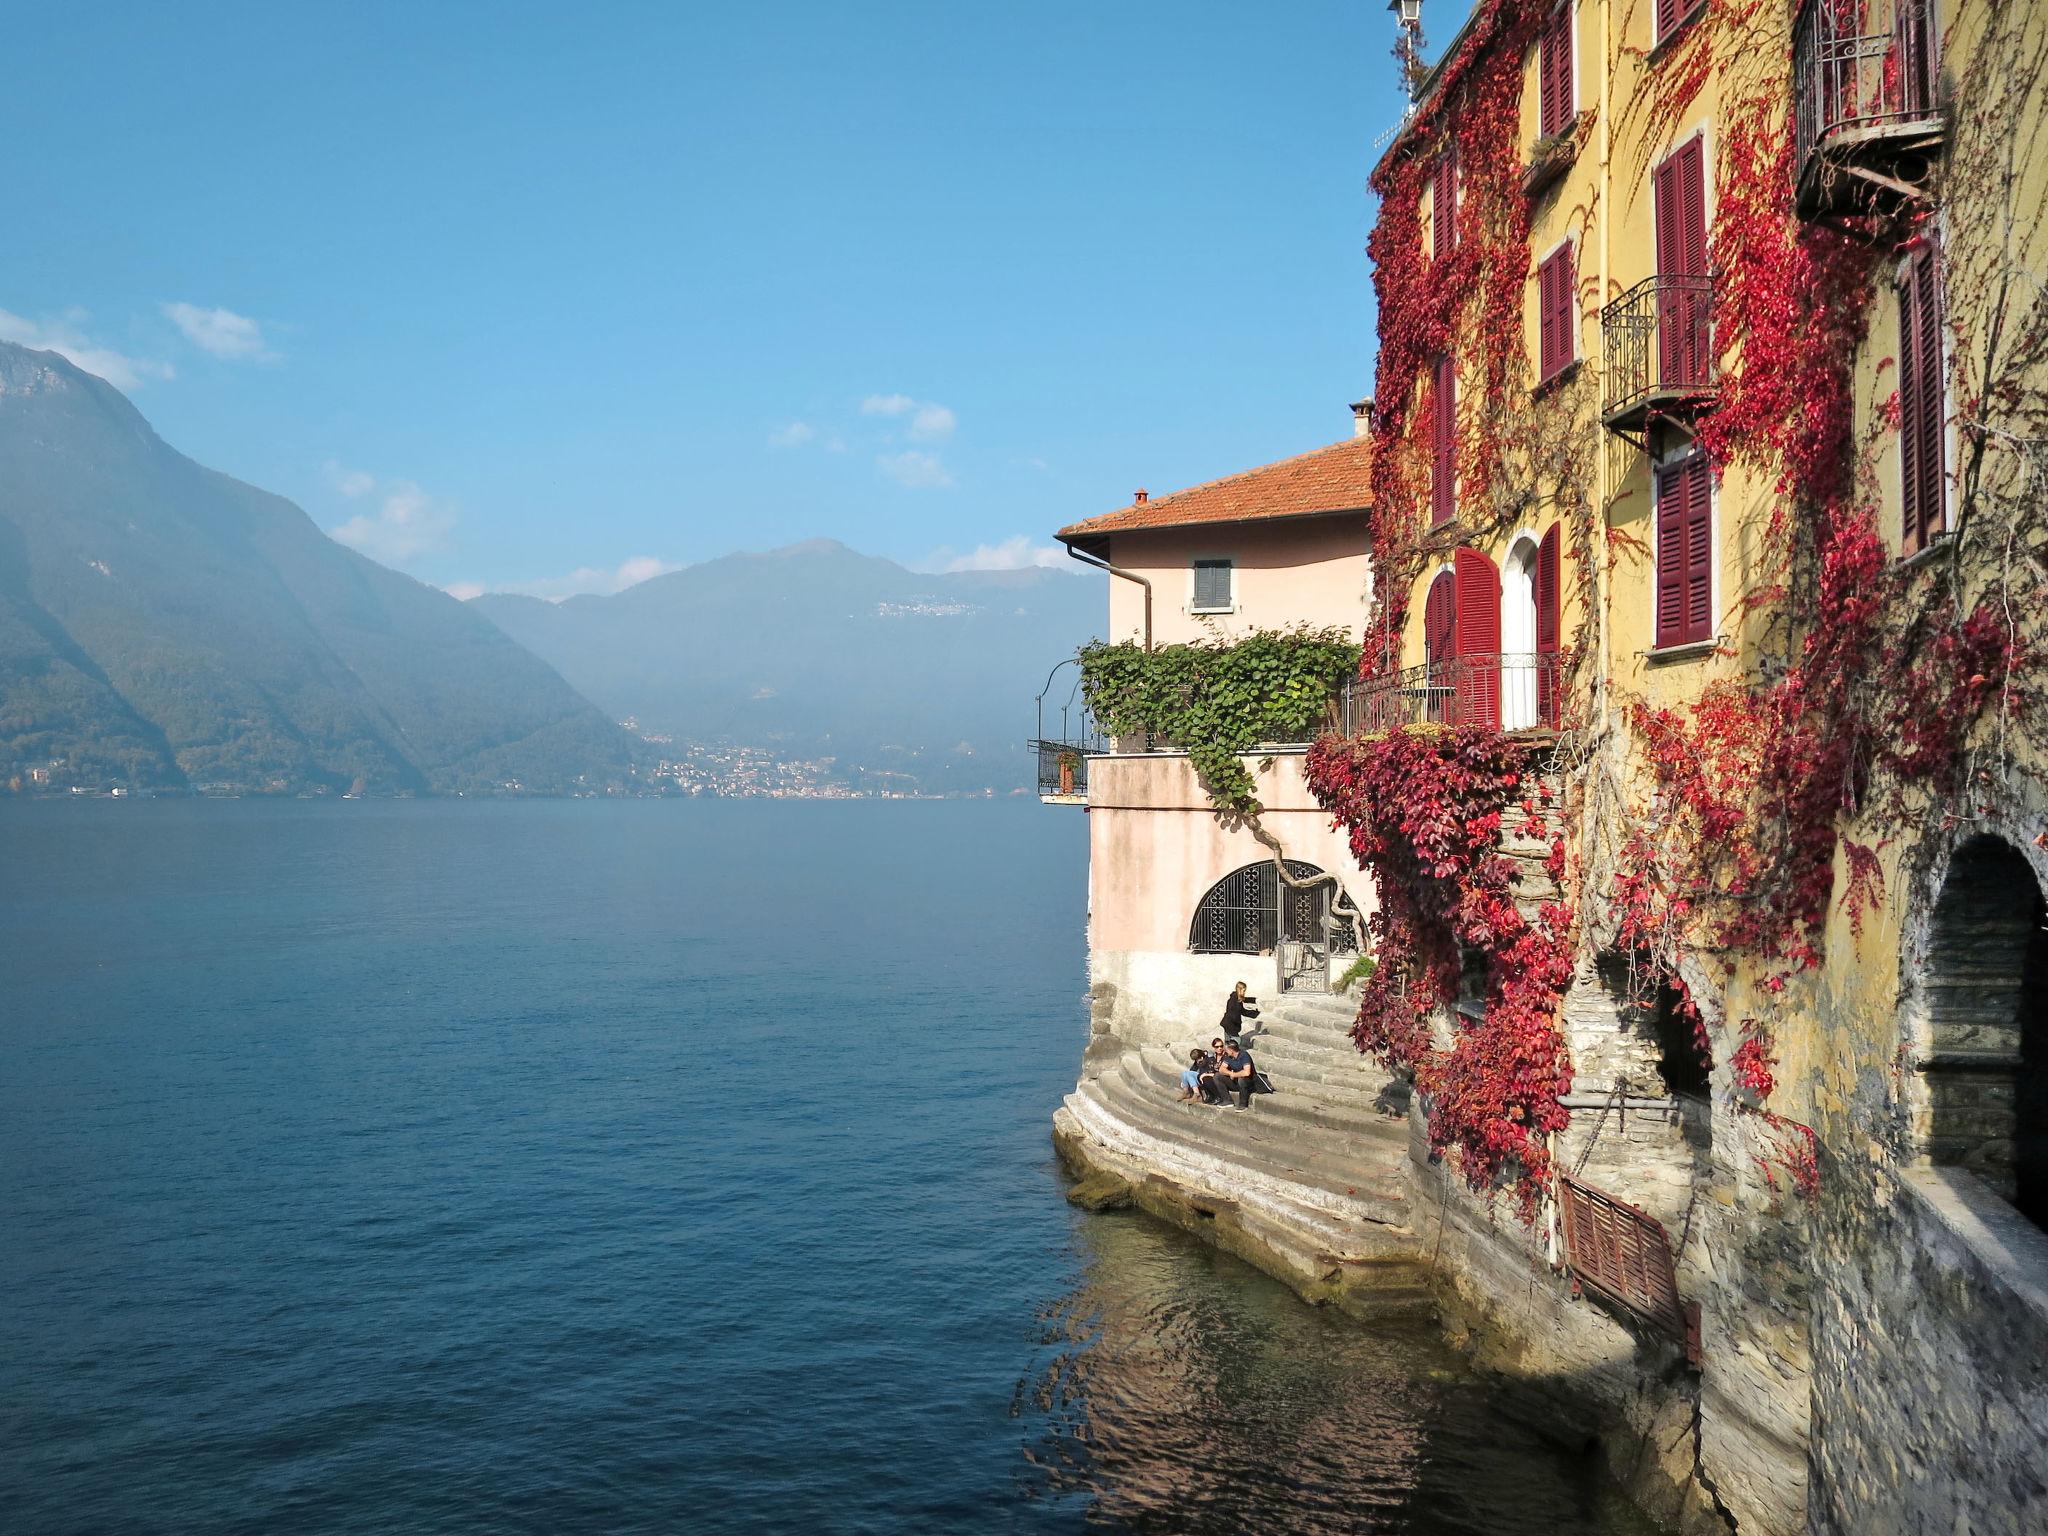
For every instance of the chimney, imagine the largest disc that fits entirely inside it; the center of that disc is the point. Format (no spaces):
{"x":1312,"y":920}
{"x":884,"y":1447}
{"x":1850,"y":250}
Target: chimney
{"x":1141,"y":497}
{"x":1361,"y":417}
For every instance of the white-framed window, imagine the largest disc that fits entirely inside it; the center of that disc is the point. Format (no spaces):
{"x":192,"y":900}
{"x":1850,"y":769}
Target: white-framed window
{"x":1213,"y":585}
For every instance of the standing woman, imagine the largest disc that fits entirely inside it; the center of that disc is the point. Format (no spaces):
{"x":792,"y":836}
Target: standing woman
{"x":1238,"y":1007}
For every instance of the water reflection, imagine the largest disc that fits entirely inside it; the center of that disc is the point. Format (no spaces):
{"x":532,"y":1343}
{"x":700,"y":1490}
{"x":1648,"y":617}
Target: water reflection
{"x":1184,"y":1392}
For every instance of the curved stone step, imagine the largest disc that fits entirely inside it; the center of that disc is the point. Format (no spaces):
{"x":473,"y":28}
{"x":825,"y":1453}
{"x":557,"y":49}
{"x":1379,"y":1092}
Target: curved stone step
{"x":1297,"y":1080}
{"x":1350,"y":1120}
{"x":1364,"y":1166}
{"x":1198,"y":1143}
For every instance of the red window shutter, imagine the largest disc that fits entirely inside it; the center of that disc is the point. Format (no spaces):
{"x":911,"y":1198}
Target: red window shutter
{"x":1556,"y":339}
{"x":1692,"y":206}
{"x":1669,"y":14}
{"x":1444,"y":443}
{"x":1685,"y":552}
{"x":1478,"y":627}
{"x":1679,"y":188}
{"x":1549,"y":626}
{"x":1922,"y":416}
{"x":1554,"y":73}
{"x":1699,"y":549}
{"x":1444,"y":205}
{"x":1440,"y":622}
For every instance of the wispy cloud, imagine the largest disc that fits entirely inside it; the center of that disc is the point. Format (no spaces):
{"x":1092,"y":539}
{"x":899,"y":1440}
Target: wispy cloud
{"x":795,"y":435}
{"x":918,"y":470}
{"x":221,"y":332}
{"x":586,"y":579}
{"x":1012,"y":554}
{"x":404,"y":523}
{"x":928,"y":421}
{"x":61,"y":334}
{"x":463,"y":591}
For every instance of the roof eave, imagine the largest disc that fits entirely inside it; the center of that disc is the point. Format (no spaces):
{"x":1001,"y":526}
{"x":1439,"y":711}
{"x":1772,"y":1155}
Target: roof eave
{"x":1075,"y":537}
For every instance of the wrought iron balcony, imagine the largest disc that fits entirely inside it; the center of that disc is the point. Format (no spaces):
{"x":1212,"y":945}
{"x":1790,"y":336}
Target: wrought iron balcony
{"x":1065,"y":742}
{"x":1865,"y":112}
{"x":1508,"y":690}
{"x":1659,"y":352}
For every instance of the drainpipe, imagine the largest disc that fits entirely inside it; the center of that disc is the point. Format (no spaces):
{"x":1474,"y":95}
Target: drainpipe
{"x":1103,"y":565}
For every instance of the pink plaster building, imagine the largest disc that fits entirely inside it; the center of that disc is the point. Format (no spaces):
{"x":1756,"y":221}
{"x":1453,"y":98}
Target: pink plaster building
{"x":1181,"y":903}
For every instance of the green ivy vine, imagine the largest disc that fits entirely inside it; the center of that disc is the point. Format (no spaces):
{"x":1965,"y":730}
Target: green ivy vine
{"x":1219,"y":700}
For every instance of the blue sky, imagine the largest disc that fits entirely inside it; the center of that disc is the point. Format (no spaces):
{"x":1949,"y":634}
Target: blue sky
{"x":516,"y":295}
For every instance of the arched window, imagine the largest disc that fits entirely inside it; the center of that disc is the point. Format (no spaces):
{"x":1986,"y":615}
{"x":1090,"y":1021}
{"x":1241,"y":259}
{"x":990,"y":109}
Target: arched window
{"x":1250,"y":912}
{"x":1984,"y":1068}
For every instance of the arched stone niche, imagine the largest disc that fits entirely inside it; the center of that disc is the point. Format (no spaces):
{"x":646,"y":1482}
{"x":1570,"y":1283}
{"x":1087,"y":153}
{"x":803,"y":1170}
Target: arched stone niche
{"x":1978,"y":1091}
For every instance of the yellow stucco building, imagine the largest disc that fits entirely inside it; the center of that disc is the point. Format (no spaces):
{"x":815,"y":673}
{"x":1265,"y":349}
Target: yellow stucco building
{"x":1708,"y":468}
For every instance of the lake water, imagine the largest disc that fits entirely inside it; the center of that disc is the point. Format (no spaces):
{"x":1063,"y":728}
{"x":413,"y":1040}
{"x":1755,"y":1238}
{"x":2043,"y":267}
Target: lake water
{"x":644,"y":1166}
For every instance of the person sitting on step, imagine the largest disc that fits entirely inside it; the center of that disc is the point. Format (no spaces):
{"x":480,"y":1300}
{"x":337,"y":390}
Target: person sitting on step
{"x":1191,"y":1079}
{"x":1236,"y":1074}
{"x":1211,"y":1084}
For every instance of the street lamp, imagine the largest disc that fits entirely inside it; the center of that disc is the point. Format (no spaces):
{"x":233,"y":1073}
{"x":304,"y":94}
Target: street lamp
{"x":1409,"y":11}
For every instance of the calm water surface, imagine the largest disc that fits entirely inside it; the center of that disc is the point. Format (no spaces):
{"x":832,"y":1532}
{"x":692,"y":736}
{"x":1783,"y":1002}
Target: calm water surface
{"x":653,"y":1166}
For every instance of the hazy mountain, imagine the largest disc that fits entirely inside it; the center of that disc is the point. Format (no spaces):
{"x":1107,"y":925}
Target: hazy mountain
{"x":817,"y":649}
{"x":162,"y":624}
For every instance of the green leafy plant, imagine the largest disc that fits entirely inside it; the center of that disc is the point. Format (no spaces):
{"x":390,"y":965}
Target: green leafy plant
{"x":1220,"y":700}
{"x":1359,"y":970}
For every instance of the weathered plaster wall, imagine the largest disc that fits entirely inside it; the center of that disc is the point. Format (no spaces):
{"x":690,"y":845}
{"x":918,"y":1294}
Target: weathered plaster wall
{"x":1156,"y":846}
{"x":1308,"y":570}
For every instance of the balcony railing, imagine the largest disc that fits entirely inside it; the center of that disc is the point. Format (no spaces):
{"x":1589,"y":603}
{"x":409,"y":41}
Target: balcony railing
{"x":1067,"y":735}
{"x":1659,"y":344}
{"x":1865,"y":111}
{"x":1507,"y":690}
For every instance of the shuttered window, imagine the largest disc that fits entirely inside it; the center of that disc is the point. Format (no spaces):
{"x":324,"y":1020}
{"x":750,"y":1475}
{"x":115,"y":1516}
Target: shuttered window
{"x":1478,"y":625}
{"x":1443,"y":483}
{"x":1684,"y":336}
{"x":1556,"y":89}
{"x":1672,"y":14}
{"x":1556,"y":330}
{"x":1212,"y":586}
{"x":1440,"y":621}
{"x":1685,"y":551}
{"x":1443,"y":199}
{"x":1923,"y":417}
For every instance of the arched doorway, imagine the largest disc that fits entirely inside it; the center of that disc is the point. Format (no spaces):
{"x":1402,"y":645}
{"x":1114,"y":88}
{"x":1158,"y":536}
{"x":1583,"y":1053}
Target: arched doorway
{"x":1984,"y":1062}
{"x":1250,"y":911}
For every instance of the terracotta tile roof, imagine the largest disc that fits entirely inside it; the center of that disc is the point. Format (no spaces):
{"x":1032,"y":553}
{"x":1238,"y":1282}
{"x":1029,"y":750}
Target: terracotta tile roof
{"x":1332,"y":479}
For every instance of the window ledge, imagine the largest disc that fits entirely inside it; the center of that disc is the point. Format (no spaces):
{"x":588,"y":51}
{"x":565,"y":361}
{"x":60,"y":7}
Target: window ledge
{"x":1936,"y":545}
{"x":1692,"y":650}
{"x":1557,"y":380}
{"x":1209,"y":612}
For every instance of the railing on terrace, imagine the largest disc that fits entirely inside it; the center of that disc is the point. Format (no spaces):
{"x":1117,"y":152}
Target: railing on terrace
{"x":1659,"y":344}
{"x":1067,"y":735}
{"x":1865,"y":112}
{"x":1508,"y":690}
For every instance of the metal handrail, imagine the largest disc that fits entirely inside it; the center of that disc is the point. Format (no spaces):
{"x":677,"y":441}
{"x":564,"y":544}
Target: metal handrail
{"x":1860,"y":64}
{"x":1659,"y":340}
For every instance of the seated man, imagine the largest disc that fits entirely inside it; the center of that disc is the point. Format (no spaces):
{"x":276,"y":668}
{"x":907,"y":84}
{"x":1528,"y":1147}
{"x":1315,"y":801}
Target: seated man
{"x":1236,"y":1073}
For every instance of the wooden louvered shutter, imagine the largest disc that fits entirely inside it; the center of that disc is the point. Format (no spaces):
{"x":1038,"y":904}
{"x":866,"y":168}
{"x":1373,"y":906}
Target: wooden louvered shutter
{"x":1669,"y":14}
{"x":1443,"y":486}
{"x":1443,"y":199}
{"x":1555,"y":332}
{"x":1554,"y":73}
{"x":1549,"y":626}
{"x":1440,"y":622}
{"x":1478,"y":640}
{"x":1685,"y":552}
{"x":1680,"y":194}
{"x":1922,"y":416}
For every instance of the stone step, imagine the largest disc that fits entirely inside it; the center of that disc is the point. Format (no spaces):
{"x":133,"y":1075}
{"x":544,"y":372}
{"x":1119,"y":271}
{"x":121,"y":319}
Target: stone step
{"x":1212,"y":1133}
{"x":1318,"y":1105}
{"x":1351,"y":1132}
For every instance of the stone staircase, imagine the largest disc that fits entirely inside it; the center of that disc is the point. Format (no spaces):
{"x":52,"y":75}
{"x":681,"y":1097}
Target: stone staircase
{"x":1310,"y":1183}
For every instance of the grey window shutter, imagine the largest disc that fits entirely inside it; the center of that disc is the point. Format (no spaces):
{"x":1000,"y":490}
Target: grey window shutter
{"x":1212,"y":583}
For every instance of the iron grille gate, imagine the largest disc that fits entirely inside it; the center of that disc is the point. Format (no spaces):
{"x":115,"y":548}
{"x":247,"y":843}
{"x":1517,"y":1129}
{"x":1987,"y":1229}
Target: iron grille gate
{"x":1623,"y":1253}
{"x":1250,"y":912}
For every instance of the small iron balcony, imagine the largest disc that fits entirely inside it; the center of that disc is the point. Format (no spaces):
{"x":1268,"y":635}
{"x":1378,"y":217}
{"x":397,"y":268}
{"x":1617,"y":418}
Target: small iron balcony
{"x":1507,"y":690}
{"x":1659,"y":353}
{"x":1865,"y":113}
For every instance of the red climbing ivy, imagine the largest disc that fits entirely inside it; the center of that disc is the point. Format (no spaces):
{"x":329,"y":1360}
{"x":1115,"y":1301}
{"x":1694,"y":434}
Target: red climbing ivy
{"x":1424,"y":808}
